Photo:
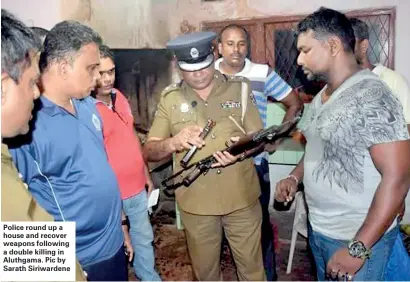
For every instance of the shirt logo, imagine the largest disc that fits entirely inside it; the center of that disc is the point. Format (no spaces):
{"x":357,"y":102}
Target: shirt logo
{"x":96,"y":122}
{"x":194,"y":53}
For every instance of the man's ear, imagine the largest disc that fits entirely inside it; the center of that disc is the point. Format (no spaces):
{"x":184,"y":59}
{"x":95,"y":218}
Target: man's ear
{"x":63,"y":68}
{"x":220,"y":48}
{"x":335,"y":45}
{"x":5,"y":87}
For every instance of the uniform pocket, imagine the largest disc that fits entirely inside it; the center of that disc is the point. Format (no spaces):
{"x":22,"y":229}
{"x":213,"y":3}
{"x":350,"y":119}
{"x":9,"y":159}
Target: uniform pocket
{"x":179,"y":120}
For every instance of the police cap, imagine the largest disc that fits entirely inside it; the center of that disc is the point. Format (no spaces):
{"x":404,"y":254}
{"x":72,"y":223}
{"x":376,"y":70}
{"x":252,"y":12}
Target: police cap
{"x":194,"y":51}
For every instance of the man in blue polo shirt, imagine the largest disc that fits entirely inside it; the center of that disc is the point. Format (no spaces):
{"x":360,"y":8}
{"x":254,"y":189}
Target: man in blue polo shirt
{"x":64,"y":163}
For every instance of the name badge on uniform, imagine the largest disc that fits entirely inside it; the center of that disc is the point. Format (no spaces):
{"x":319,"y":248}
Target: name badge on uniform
{"x":230,"y":105}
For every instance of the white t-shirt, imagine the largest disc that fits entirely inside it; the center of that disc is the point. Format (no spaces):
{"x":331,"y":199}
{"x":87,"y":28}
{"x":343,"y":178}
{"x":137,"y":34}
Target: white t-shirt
{"x":398,"y":85}
{"x":340,"y":177}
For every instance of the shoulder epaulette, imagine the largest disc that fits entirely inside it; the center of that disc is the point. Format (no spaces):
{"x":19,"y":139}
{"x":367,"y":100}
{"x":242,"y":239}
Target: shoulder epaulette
{"x":170,"y":88}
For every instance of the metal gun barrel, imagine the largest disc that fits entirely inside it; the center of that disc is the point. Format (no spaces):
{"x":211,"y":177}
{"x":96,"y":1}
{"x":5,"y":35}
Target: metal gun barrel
{"x":192,"y":177}
{"x":188,"y":156}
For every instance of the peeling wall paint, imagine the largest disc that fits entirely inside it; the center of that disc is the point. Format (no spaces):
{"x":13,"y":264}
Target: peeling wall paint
{"x":122,"y":24}
{"x":150,"y":23}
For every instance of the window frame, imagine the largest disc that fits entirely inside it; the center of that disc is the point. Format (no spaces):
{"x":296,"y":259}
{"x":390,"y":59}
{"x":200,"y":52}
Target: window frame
{"x":259,"y":28}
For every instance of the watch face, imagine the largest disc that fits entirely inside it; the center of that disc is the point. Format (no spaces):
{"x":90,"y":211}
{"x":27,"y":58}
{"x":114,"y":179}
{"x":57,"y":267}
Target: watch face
{"x":357,"y":249}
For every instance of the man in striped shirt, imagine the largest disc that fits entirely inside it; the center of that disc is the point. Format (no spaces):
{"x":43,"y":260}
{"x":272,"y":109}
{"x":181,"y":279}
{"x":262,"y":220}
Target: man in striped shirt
{"x":233,"y":44}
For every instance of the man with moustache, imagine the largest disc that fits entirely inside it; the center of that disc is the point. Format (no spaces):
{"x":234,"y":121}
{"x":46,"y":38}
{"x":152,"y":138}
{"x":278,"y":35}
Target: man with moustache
{"x":356,"y":169}
{"x":233,"y":46}
{"x":64,"y":163}
{"x":226,"y":198}
{"x":125,"y":156}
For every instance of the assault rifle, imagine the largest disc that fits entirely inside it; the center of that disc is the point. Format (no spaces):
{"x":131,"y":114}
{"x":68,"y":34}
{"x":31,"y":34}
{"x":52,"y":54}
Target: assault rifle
{"x":248,"y":145}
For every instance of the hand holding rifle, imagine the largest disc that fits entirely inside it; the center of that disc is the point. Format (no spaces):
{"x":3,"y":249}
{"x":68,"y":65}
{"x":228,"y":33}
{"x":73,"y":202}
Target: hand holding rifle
{"x":224,"y":158}
{"x":246,"y":146}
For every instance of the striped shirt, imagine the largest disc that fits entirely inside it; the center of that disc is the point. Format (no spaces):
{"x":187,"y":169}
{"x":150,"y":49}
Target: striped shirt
{"x":265,"y":83}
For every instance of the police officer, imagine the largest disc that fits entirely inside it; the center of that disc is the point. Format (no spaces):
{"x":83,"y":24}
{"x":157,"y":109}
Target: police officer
{"x":226,"y":198}
{"x":19,"y":74}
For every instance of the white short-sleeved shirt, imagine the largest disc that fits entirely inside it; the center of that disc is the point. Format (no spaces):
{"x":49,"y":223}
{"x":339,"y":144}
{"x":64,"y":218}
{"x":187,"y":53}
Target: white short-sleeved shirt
{"x":398,"y":85}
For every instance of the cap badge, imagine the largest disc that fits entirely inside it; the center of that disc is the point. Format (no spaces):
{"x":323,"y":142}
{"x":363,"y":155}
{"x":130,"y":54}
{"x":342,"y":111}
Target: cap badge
{"x":184,"y":108}
{"x":194,"y":53}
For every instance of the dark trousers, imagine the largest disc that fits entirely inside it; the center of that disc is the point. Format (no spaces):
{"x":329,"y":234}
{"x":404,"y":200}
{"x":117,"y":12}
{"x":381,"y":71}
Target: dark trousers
{"x":112,"y":269}
{"x":268,"y":248}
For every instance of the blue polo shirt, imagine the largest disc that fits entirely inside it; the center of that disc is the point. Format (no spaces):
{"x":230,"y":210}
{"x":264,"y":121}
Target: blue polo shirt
{"x":67,"y":171}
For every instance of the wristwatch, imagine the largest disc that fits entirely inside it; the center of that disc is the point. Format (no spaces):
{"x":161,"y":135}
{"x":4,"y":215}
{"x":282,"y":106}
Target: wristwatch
{"x":358,"y":250}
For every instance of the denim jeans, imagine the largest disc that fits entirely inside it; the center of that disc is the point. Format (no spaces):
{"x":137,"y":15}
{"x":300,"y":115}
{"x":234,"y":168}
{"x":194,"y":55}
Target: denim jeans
{"x":268,"y":247}
{"x":324,"y":247}
{"x":142,"y":236}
